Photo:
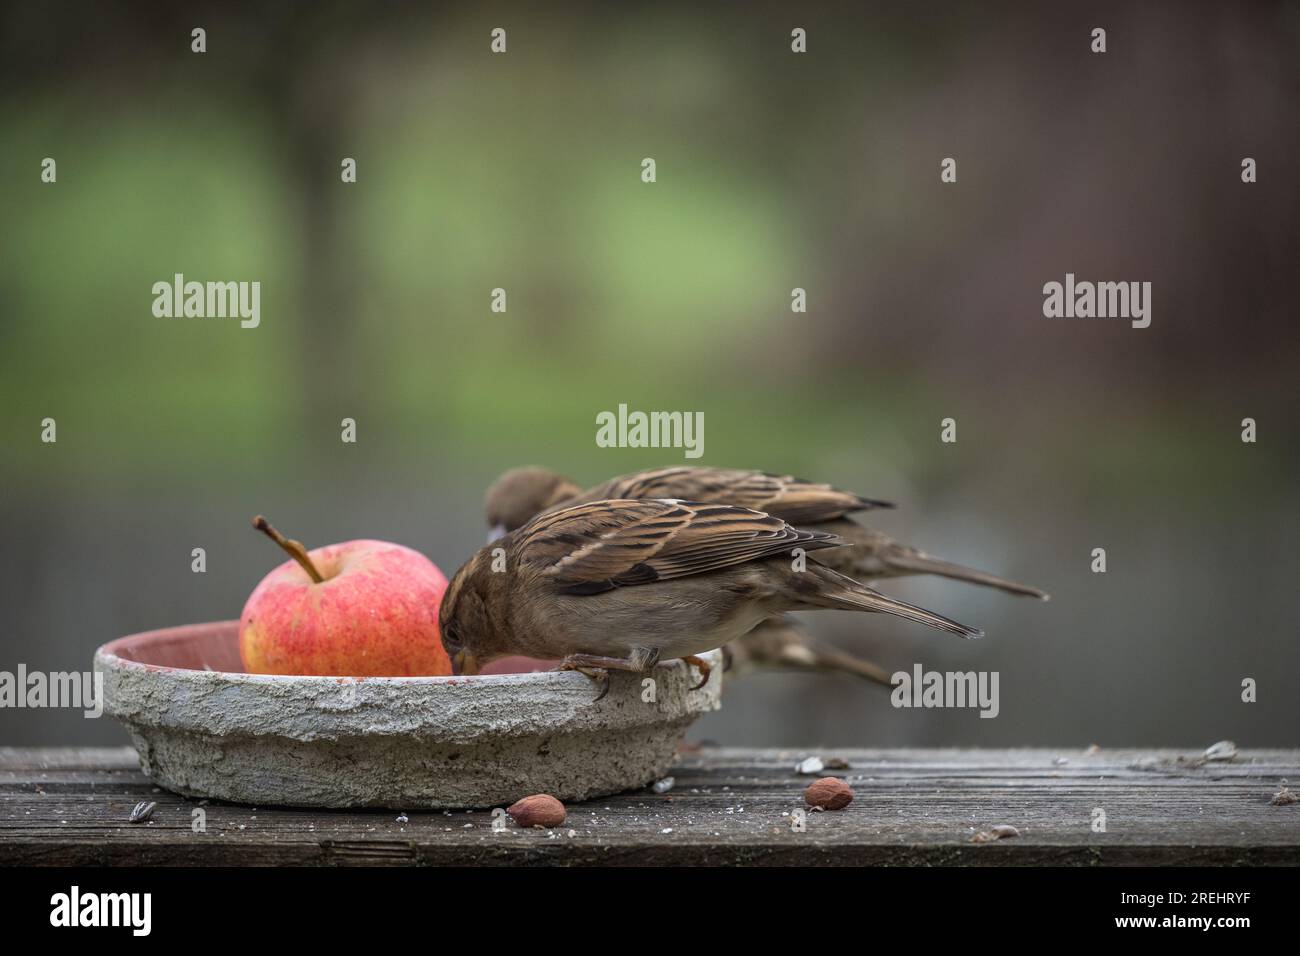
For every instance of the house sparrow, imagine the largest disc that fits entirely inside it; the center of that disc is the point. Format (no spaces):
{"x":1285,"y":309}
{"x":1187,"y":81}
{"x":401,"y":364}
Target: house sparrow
{"x":622,"y":584}
{"x":780,"y":644}
{"x":871,"y":554}
{"x":522,"y":493}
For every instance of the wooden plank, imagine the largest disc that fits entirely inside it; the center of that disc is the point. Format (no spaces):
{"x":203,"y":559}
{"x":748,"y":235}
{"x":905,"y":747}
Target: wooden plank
{"x":729,"y":806}
{"x":19,"y":759}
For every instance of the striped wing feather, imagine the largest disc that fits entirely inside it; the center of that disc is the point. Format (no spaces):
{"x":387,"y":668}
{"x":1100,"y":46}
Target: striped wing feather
{"x":601,"y":545}
{"x":783,"y":496}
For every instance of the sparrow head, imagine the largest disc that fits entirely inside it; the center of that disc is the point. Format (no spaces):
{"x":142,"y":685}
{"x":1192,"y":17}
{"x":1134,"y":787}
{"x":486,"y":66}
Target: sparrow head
{"x":520,"y":494}
{"x":469,"y":635}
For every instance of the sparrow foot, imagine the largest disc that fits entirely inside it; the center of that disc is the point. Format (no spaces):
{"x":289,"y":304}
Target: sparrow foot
{"x":600,"y":676}
{"x":704,"y":667}
{"x":581,"y":663}
{"x":640,"y":661}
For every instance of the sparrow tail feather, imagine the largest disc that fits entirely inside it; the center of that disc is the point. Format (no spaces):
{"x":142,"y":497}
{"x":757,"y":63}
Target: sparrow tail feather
{"x":915,"y":563}
{"x":867,"y":503}
{"x":844,"y":593}
{"x":833,"y":659}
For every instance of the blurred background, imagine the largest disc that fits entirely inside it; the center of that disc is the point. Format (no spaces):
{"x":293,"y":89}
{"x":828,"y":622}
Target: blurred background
{"x":775,"y":171}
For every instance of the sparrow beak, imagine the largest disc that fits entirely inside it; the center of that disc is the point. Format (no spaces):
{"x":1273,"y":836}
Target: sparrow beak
{"x":463,"y":663}
{"x":496,"y":532}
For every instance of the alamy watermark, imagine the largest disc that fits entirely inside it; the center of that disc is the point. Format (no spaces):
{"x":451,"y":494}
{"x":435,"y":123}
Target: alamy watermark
{"x":130,"y":910}
{"x":635,"y":429}
{"x":923,"y":688}
{"x":1098,"y":300}
{"x":208,"y":300}
{"x":37,"y":689}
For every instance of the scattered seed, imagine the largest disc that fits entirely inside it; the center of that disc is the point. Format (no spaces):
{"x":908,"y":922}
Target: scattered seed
{"x":538,"y":810}
{"x":142,"y":812}
{"x":811,"y":766}
{"x":828,"y":793}
{"x":1000,"y":832}
{"x":664,"y":785}
{"x":1223,"y":750}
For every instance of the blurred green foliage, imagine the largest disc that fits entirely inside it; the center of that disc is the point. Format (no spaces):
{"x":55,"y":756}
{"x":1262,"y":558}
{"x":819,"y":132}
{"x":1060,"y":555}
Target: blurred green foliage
{"x":522,"y":171}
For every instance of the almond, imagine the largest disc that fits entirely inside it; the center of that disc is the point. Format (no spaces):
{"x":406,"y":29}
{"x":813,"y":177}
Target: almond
{"x":539,"y":810}
{"x":828,"y":793}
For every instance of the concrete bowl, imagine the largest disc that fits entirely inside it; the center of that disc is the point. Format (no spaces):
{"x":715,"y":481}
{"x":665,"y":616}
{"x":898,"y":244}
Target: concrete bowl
{"x":205,"y":728}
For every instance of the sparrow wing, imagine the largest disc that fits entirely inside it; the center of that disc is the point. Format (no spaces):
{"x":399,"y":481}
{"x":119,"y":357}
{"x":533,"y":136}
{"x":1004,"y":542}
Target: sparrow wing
{"x":783,"y":496}
{"x":601,"y":545}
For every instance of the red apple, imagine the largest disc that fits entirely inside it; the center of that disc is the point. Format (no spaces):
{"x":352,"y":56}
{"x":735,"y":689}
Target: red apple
{"x":356,"y":609}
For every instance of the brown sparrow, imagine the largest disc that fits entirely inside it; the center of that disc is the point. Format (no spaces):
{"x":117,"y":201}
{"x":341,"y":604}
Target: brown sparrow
{"x":622,"y":584}
{"x":520,"y":494}
{"x":780,"y":644}
{"x":523,"y":492}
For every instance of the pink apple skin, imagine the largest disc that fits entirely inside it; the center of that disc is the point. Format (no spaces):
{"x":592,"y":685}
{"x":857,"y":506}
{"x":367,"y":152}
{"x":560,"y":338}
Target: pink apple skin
{"x":374,"y":615}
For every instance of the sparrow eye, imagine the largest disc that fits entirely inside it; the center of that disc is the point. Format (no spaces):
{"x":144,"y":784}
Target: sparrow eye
{"x":451,"y":636}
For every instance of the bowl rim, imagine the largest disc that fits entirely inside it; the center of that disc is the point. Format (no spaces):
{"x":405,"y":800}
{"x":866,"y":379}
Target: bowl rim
{"x":154,"y":699}
{"x":107,"y":656}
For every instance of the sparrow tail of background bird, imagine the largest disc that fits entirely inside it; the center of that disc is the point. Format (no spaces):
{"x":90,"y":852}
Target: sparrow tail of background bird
{"x":866,"y":504}
{"x":833,"y":659}
{"x":843,"y":593}
{"x":780,"y":642}
{"x":911,"y":562}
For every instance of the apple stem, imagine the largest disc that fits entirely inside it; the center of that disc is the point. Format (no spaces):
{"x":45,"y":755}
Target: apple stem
{"x":295,"y":548}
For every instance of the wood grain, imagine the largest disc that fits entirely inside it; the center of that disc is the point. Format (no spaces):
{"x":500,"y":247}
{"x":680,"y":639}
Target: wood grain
{"x":729,"y":806}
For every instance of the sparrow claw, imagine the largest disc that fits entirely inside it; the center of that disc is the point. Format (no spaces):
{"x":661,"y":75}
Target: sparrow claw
{"x":598,"y":674}
{"x":601,"y":675}
{"x":705,"y":669}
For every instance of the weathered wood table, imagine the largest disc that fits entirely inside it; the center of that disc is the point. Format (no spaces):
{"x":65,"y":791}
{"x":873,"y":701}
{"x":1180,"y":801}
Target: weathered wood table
{"x":727,"y":806}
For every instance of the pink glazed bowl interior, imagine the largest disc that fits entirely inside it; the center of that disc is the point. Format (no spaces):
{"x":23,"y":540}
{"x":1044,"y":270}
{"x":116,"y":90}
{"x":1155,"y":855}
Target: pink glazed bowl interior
{"x":215,"y":647}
